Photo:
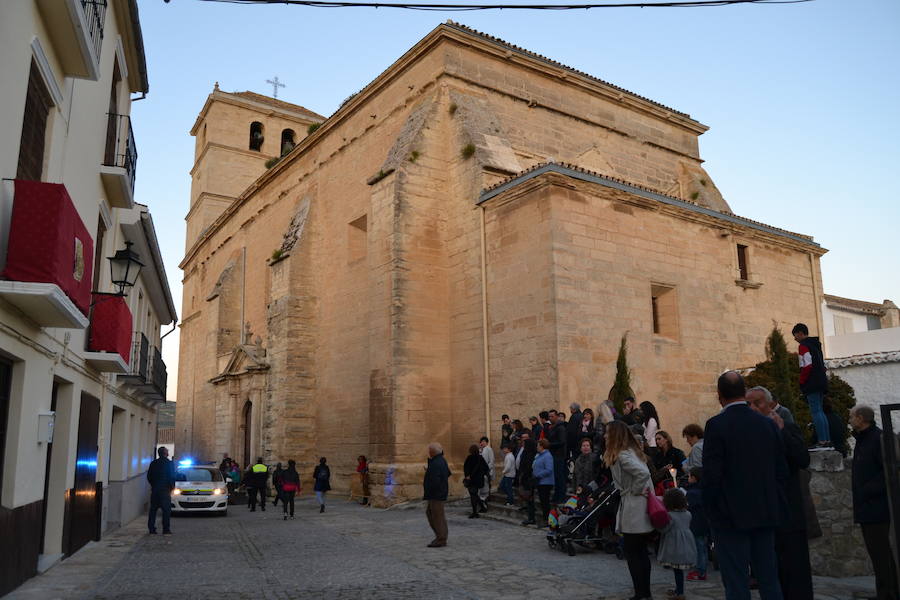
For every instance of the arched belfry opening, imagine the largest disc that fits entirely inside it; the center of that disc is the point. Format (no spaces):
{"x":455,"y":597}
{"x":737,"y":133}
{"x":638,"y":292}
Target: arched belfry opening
{"x":256,"y":136}
{"x":288,"y":141}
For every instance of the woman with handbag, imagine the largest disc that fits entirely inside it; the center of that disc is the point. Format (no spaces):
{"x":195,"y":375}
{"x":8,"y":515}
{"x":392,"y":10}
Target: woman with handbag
{"x":474,"y":472}
{"x":626,"y":460}
{"x":290,"y":485}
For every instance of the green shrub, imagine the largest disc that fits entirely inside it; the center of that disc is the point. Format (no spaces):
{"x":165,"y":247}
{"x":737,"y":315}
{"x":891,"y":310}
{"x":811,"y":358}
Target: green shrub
{"x":468,"y":151}
{"x":312,"y":128}
{"x":277,"y":253}
{"x":780,"y":374}
{"x":413,"y":156}
{"x":453,"y":108}
{"x":272,"y":162}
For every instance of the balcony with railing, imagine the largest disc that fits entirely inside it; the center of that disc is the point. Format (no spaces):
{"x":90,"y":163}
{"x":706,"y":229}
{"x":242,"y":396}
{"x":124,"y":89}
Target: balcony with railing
{"x":147,"y":374}
{"x":75,"y":28}
{"x":46,"y":254}
{"x":109,"y":342}
{"x":119,"y":161}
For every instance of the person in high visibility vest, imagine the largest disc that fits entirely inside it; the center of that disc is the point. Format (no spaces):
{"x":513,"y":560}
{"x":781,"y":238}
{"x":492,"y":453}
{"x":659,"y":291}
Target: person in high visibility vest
{"x":255,"y":480}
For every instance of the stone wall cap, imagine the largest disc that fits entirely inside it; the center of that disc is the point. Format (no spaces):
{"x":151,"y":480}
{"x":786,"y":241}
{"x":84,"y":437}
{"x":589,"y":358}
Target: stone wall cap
{"x":826,"y":460}
{"x":873,"y":358}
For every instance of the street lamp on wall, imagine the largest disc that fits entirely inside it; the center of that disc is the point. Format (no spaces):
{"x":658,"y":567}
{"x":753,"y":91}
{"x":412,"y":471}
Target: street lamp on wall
{"x":124,"y":266}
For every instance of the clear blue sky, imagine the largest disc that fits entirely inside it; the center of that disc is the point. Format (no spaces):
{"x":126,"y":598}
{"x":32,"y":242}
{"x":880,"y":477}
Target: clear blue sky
{"x":802,"y":101}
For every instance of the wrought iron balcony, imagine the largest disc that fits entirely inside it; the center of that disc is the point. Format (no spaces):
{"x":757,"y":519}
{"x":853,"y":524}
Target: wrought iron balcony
{"x":119,"y":161}
{"x":148,"y":373}
{"x":95,"y":15}
{"x":75,"y":29}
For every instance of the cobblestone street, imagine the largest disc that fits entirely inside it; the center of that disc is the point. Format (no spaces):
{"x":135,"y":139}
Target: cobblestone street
{"x":349,"y":552}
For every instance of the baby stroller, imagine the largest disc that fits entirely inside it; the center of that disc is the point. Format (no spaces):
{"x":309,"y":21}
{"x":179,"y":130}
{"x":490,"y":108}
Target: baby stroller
{"x":575,"y":522}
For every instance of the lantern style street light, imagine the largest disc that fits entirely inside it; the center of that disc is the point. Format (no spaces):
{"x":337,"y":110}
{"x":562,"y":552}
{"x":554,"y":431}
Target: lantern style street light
{"x":125,"y":266}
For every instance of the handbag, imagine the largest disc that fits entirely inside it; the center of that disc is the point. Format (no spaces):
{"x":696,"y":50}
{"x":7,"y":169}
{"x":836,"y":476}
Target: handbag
{"x":659,"y":516}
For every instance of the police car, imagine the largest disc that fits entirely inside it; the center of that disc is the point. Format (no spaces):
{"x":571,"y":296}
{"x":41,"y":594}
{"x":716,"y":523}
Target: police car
{"x":199,"y":488}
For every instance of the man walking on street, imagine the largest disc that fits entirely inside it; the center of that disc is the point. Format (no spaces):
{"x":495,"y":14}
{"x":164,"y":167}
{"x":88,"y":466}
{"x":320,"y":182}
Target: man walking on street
{"x":870,"y":501}
{"x":813,"y":380}
{"x":435,"y":485}
{"x":161,"y":475}
{"x":744,"y":474}
{"x":256,"y":480}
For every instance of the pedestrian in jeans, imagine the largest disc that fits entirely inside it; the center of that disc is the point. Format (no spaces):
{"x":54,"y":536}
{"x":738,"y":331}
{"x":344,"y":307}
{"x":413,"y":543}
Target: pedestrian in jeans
{"x":543,"y":475}
{"x":628,"y":465}
{"x":509,"y":474}
{"x":813,"y":380}
{"x":322,"y":479}
{"x":870,"y":501}
{"x":161,"y":475}
{"x":290,"y":485}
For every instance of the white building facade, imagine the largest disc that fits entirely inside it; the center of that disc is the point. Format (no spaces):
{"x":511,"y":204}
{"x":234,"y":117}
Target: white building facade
{"x":81,"y":372}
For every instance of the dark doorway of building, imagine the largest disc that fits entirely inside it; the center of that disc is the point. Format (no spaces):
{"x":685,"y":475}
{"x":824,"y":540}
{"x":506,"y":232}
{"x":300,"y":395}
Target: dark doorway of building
{"x":86,"y":497}
{"x":248,"y":415}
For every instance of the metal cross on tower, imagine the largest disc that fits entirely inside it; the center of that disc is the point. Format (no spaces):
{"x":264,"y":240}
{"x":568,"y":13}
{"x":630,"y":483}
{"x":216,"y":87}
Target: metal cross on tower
{"x":275,"y":85}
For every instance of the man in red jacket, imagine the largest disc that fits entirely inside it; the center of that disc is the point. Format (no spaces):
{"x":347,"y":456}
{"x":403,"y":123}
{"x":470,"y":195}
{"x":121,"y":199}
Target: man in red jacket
{"x":813,"y":380}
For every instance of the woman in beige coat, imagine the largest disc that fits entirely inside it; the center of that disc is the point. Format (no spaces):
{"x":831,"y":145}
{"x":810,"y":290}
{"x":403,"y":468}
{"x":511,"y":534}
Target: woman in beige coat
{"x":626,"y":460}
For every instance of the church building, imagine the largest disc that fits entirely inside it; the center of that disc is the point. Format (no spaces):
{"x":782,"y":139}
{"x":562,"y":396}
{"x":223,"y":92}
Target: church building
{"x":468,"y":236}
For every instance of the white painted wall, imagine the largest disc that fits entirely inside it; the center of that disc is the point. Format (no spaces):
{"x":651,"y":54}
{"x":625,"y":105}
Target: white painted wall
{"x":863,"y":342}
{"x":874,"y":385}
{"x":859,"y":322}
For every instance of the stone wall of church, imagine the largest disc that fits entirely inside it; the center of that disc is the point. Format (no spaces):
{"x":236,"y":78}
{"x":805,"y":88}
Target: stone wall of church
{"x":611,"y":251}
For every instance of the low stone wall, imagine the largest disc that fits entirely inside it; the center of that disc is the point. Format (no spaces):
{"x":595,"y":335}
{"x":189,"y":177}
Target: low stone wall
{"x":840,"y":552}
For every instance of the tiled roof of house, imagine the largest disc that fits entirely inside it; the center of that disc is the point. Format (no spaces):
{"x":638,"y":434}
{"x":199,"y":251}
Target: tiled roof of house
{"x":854,"y":305}
{"x":558,"y":64}
{"x":874,"y":358}
{"x":569,"y":169}
{"x":278,"y":103}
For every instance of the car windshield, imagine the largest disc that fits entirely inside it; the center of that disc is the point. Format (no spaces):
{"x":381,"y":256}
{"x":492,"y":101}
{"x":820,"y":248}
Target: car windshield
{"x":196,"y":474}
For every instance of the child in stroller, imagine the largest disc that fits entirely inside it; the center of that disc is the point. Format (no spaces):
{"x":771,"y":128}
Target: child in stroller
{"x":576,"y":520}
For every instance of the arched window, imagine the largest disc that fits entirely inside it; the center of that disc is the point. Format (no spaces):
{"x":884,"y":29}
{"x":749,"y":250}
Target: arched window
{"x":287,"y":141}
{"x":256,"y":135}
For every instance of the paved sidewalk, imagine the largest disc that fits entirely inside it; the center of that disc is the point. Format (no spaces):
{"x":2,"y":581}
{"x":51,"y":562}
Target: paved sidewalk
{"x":349,"y":552}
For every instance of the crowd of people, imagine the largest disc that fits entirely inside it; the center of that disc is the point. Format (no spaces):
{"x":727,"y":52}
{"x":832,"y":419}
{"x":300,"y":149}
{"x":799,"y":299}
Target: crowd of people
{"x":254,"y":480}
{"x":739,"y":490}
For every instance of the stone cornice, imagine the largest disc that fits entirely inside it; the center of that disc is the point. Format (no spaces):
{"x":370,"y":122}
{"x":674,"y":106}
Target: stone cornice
{"x":267,"y":109}
{"x":206,"y":195}
{"x":235,"y":149}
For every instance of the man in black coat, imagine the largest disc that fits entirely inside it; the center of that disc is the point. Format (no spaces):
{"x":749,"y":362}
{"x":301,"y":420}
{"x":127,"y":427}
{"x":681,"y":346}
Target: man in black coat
{"x":573,"y":428}
{"x":744,"y":473}
{"x":557,"y":436}
{"x":870,"y":501}
{"x":791,"y":542}
{"x":161,"y":475}
{"x":435,"y":487}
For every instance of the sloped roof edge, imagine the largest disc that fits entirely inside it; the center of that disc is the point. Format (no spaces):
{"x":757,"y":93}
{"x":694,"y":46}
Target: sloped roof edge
{"x":590,"y":176}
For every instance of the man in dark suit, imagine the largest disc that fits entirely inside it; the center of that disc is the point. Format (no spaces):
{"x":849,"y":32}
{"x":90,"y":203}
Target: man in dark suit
{"x":791,"y":543}
{"x":744,"y":475}
{"x":161,"y":476}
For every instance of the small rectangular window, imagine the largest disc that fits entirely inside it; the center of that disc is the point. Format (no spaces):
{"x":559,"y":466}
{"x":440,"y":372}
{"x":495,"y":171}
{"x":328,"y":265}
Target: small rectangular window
{"x":664,"y":311}
{"x":742,"y":262}
{"x":842,"y":325}
{"x":357,"y":239}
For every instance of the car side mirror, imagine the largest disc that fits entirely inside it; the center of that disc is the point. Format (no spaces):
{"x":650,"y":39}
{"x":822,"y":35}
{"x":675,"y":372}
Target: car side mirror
{"x":229,"y":480}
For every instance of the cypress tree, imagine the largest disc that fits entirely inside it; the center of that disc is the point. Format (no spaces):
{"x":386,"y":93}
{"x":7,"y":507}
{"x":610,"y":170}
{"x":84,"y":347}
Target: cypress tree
{"x":621,"y":388}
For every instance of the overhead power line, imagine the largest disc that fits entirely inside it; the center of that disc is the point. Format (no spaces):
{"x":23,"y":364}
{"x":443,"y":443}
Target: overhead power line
{"x":466,"y":7}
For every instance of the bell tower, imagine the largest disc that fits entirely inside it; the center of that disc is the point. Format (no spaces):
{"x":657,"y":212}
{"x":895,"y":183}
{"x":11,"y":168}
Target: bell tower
{"x":237,"y":134}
